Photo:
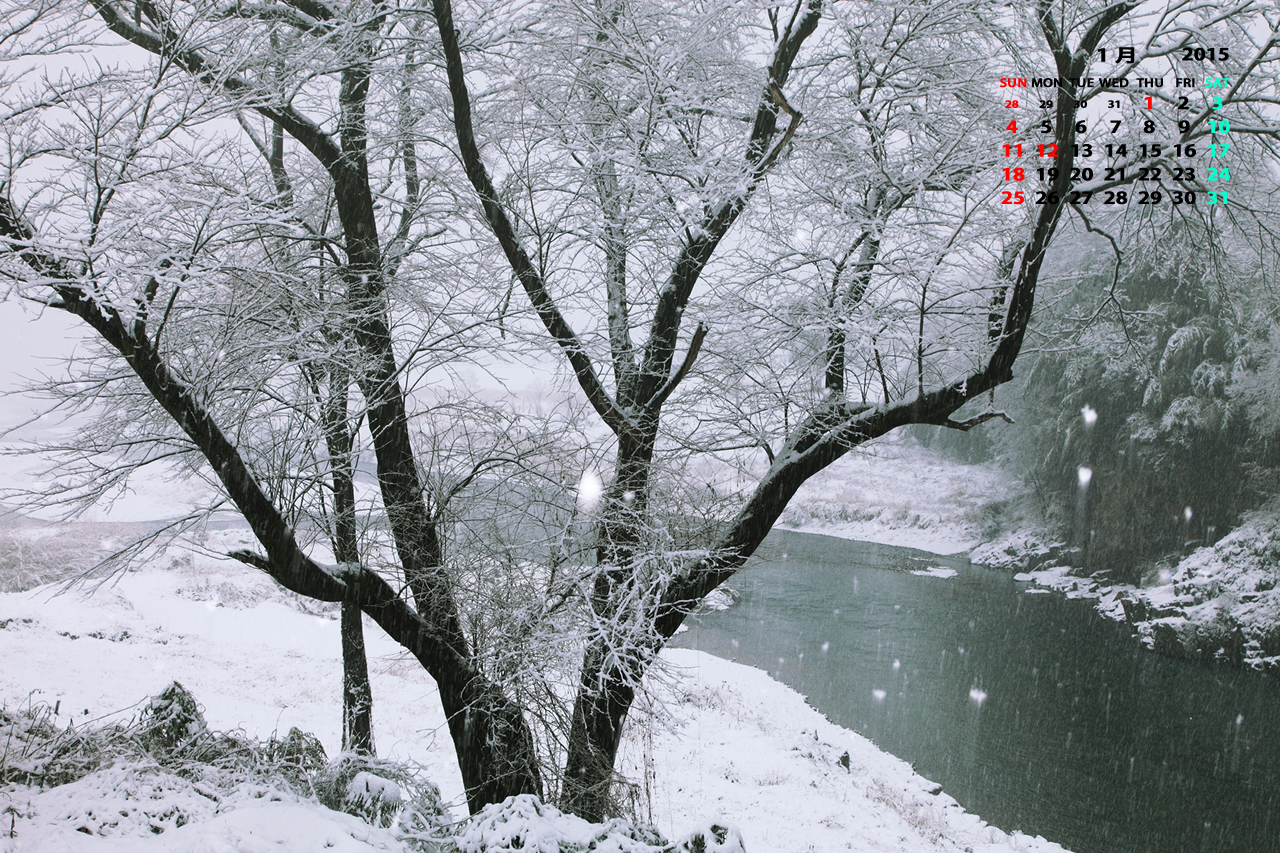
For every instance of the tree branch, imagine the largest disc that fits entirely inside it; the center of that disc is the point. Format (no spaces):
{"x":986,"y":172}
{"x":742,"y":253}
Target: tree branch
{"x":500,"y":224}
{"x":836,"y":427}
{"x":700,"y":241}
{"x":301,"y":128}
{"x":965,"y":426}
{"x":317,"y":9}
{"x":661,"y":395}
{"x":285,"y":561}
{"x":278,"y":14}
{"x":1108,"y":17}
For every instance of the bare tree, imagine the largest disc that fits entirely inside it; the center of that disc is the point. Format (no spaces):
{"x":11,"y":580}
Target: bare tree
{"x":128,"y":292}
{"x":626,"y":139}
{"x":669,"y":176}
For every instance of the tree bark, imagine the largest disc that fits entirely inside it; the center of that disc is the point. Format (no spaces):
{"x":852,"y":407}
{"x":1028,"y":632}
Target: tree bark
{"x":600,"y":710}
{"x":843,"y":298}
{"x":357,"y":694}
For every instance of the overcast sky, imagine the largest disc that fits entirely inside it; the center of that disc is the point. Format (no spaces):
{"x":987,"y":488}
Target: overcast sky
{"x":30,"y":345}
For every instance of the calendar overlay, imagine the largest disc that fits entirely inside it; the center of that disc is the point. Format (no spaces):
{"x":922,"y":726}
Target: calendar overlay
{"x":1134,"y":140}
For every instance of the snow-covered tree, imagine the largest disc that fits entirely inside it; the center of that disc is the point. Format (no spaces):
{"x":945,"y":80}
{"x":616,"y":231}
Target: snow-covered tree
{"x":608,"y":149}
{"x":159,"y":251}
{"x":625,"y":140}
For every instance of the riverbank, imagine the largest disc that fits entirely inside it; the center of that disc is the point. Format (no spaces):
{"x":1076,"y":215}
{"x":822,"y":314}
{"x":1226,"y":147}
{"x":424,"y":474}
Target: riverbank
{"x":1220,"y":602}
{"x":726,"y":743}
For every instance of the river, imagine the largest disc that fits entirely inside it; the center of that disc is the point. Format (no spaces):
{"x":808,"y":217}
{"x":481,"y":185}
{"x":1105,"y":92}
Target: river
{"x":1032,"y":710}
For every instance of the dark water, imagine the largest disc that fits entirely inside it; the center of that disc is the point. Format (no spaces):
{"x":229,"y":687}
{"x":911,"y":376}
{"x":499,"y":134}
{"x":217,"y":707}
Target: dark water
{"x":1082,"y":737}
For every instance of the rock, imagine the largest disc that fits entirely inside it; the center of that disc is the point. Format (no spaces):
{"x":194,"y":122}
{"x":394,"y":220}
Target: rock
{"x":1135,"y":609}
{"x":1167,"y":638}
{"x":1219,"y":640}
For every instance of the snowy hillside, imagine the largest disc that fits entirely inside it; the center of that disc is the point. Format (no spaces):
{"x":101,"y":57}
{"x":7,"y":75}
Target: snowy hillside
{"x":896,"y":492}
{"x":1220,"y":600}
{"x":735,"y":747}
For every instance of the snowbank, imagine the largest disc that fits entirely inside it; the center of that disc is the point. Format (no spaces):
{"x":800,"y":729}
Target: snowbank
{"x":275,"y":826}
{"x":1019,"y":550}
{"x":748,"y":749}
{"x":735,"y":747}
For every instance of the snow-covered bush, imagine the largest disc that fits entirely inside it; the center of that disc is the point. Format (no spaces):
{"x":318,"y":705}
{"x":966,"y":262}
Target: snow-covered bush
{"x":172,"y":722}
{"x":385,"y":794}
{"x":159,"y":771}
{"x":713,"y":838}
{"x":352,"y":784}
{"x":166,"y":768}
{"x":126,"y":800}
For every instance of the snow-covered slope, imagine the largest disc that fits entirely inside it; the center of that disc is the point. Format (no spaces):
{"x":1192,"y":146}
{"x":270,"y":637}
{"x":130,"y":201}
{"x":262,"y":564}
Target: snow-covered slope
{"x":734,"y":745}
{"x":750,"y":750}
{"x":896,"y":492}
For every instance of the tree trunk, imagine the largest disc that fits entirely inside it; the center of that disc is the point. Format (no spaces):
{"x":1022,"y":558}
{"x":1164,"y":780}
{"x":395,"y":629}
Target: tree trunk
{"x":605,"y":693}
{"x":599,"y":713}
{"x":834,"y":379}
{"x":842,"y":299}
{"x":607,"y":686}
{"x":357,"y":695}
{"x":495,"y":747}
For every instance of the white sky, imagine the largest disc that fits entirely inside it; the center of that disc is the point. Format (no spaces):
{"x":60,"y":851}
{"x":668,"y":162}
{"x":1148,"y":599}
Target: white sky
{"x":30,"y":346}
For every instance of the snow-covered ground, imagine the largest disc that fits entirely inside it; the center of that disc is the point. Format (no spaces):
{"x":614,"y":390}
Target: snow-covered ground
{"x":895,"y":492}
{"x":735,"y":746}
